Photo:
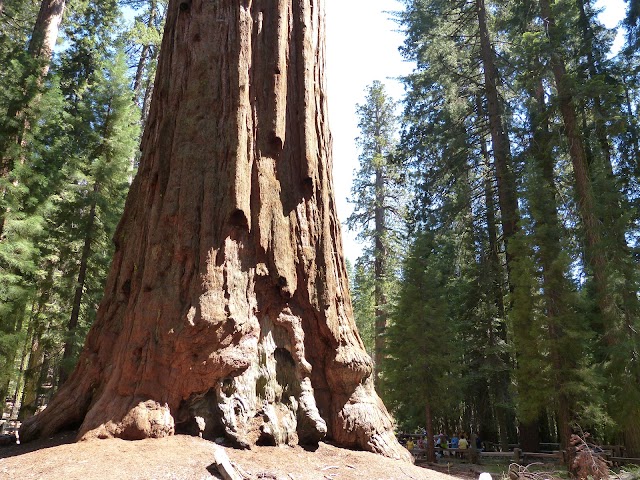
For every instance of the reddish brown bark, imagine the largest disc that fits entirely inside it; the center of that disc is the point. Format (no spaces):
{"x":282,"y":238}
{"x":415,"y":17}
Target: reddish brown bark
{"x":45,"y":32}
{"x":584,"y":191}
{"x":499,"y":138}
{"x":430,"y":446}
{"x":227,"y":300}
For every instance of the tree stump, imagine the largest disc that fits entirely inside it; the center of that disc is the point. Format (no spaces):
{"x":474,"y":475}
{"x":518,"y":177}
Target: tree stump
{"x":227,"y":307}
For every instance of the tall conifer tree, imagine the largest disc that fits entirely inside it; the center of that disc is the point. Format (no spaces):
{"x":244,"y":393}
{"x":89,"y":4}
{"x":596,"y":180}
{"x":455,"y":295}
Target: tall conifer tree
{"x":376,"y":194}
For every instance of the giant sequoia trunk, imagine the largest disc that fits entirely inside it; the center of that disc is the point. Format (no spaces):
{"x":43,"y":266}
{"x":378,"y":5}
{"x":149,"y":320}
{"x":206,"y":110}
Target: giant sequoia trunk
{"x":227,"y":306}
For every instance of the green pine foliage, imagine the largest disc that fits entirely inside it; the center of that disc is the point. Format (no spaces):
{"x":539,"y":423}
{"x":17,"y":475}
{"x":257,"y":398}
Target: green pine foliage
{"x":534,"y":341}
{"x":363,"y":299}
{"x":377,"y":194}
{"x":425,"y":370}
{"x":64,"y":196}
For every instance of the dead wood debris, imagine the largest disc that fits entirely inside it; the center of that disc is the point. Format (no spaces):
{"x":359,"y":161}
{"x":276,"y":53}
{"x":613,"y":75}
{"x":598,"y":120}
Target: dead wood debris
{"x":588,"y":461}
{"x":224,"y":466}
{"x":522,"y":472}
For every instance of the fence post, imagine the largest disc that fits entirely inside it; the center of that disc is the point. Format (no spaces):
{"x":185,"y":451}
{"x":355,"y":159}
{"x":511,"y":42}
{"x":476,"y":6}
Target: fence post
{"x":517,"y":455}
{"x":473,"y":453}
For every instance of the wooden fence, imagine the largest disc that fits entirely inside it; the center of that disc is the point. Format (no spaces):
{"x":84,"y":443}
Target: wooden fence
{"x":473,"y":455}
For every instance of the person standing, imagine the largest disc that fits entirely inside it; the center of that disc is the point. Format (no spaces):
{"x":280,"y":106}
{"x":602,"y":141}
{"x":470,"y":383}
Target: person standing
{"x":454,"y":441}
{"x":410,"y":444}
{"x":463,"y":443}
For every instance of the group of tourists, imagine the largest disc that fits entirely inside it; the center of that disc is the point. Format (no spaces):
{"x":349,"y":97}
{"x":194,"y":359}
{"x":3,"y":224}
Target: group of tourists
{"x":455,"y":441}
{"x":443,"y":442}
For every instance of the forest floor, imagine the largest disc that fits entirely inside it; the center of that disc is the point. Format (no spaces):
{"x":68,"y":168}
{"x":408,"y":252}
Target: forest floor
{"x":191,"y":458}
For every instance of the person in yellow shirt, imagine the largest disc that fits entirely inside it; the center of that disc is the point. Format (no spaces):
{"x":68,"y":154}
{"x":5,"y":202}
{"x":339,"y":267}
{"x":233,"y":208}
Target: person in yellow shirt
{"x":410,"y":444}
{"x":463,"y":443}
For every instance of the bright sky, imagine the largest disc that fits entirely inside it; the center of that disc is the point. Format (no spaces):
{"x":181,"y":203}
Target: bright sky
{"x":362,"y":46}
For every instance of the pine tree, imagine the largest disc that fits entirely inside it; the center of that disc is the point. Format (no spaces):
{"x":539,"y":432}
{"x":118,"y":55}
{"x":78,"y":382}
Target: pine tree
{"x":100,"y":191}
{"x":362,"y":296}
{"x":444,"y":38}
{"x":145,"y":37}
{"x":632,"y":23}
{"x":376,"y":193}
{"x":421,"y":375}
{"x":76,"y":144}
{"x":28,"y":104}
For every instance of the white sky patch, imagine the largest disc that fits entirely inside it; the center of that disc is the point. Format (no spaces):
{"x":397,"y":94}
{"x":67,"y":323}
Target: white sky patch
{"x":362,"y":46}
{"x":612,"y":14}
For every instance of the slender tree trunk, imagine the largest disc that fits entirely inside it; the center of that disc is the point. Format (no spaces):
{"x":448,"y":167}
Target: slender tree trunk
{"x":147,"y":56}
{"x":486,"y":412}
{"x":499,"y":138}
{"x":142,"y":65}
{"x":614,"y":204}
{"x":82,"y":275}
{"x":633,"y":130}
{"x":32,"y":375}
{"x":19,"y":378}
{"x":548,"y":228}
{"x":600,"y":114}
{"x":586,"y":202}
{"x":16,"y":317}
{"x":36,"y":350}
{"x":529,"y":436}
{"x":507,"y":196}
{"x":499,"y":378}
{"x":228,"y":296}
{"x":380,"y":273}
{"x":431,"y":448}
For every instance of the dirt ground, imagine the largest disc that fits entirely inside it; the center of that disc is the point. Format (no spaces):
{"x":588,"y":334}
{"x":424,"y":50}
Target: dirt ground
{"x":191,"y":458}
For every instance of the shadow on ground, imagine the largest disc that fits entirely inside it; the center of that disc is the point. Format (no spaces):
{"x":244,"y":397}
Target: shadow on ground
{"x":23,"y":448}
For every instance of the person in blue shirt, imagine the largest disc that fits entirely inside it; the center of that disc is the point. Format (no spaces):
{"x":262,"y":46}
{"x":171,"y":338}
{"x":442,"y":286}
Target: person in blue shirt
{"x":454,"y":441}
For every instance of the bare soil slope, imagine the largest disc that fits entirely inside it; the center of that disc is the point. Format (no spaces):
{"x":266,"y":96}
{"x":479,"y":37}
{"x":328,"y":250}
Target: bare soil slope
{"x":191,"y":458}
